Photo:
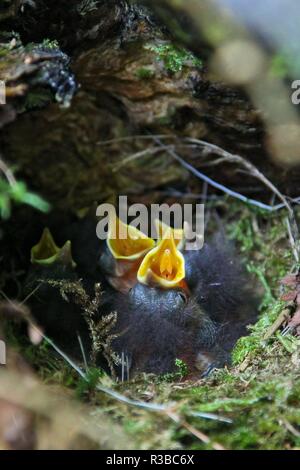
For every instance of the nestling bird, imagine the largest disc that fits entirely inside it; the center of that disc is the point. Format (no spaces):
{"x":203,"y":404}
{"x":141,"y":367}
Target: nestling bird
{"x":191,"y":306}
{"x":170,"y":304}
{"x":61,"y":320}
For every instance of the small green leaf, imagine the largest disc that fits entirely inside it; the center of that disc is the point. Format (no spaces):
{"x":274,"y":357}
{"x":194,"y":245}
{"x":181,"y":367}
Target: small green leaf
{"x":18,"y":191}
{"x":33,"y":200}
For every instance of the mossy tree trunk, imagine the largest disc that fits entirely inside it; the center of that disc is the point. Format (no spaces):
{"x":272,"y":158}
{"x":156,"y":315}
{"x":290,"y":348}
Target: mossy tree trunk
{"x":131,"y":78}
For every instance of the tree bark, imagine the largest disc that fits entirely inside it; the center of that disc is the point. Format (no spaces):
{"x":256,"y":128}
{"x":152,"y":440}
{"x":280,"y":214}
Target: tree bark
{"x":132,"y":79}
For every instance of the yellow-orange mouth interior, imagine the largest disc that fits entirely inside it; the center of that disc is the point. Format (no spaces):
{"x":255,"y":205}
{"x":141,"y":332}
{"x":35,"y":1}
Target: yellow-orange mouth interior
{"x":45,"y":251}
{"x":133,"y":243}
{"x":178,"y":233}
{"x":164,"y":265}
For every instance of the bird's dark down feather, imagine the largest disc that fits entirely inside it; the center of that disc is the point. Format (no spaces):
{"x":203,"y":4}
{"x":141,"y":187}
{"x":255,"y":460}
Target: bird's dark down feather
{"x":154,"y":326}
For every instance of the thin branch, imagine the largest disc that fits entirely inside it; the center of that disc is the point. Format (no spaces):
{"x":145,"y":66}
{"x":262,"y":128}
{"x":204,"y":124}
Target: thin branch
{"x":134,"y":137}
{"x":118,"y":396}
{"x":290,"y":427}
{"x":215,"y":184}
{"x":292,"y":240}
{"x":82,"y":352}
{"x":147,"y":151}
{"x":7,"y":173}
{"x":234,"y":158}
{"x":31,"y":293}
{"x":195,"y":432}
{"x":253,"y":171}
{"x":282,"y":318}
{"x":224,"y":157}
{"x":135,"y":156}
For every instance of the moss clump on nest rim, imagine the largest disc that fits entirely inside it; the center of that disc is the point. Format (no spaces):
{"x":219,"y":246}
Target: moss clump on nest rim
{"x":174,"y":57}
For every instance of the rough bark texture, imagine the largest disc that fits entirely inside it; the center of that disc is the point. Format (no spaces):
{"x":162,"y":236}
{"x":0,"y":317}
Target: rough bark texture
{"x":131,"y":79}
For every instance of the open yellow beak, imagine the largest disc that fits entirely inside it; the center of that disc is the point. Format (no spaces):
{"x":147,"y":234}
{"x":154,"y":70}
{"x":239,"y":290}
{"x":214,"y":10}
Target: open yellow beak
{"x":46,"y":252}
{"x":127,"y":243}
{"x":178,"y":233}
{"x":163,"y":265}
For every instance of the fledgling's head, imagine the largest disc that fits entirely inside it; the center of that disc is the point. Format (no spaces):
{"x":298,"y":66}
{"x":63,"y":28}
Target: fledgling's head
{"x":164,"y":265}
{"x":48,"y":261}
{"x":57,"y":315}
{"x":47,"y":253}
{"x":130,"y":257}
{"x":123,"y":253}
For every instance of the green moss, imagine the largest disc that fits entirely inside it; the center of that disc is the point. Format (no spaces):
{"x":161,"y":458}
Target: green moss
{"x":37,"y":98}
{"x":179,"y":374}
{"x":259,"y":395}
{"x":86,"y":386}
{"x":175,"y":58}
{"x":3,"y":51}
{"x":144,"y":73}
{"x":182,"y":368}
{"x":46,"y":44}
{"x":50,"y":44}
{"x":254,"y":343}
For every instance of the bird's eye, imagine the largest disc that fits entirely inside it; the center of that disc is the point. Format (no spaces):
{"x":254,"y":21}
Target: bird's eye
{"x":183,"y":296}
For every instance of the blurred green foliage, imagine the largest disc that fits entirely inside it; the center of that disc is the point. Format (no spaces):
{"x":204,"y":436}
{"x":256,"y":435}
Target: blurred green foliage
{"x":18,"y":193}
